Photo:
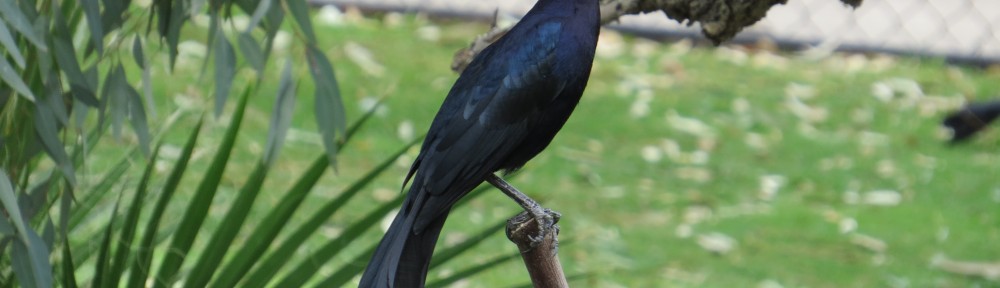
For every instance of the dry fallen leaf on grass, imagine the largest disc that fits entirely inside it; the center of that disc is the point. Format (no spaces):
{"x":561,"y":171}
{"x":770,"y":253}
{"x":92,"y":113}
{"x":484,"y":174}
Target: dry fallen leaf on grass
{"x":988,"y":270}
{"x":716,"y":242}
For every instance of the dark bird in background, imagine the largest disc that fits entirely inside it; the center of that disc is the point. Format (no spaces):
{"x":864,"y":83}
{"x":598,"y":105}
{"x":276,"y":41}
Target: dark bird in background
{"x":504,"y":109}
{"x":971,"y":119}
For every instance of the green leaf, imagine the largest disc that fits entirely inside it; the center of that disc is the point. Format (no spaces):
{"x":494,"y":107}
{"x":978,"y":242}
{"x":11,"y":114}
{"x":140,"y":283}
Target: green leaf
{"x":100,"y":275}
{"x":9,"y":201}
{"x":8,"y":43}
{"x":124,"y":250}
{"x":48,"y":132}
{"x":445,"y":255}
{"x":65,"y":56}
{"x":93,"y":12}
{"x":217,"y":247}
{"x":172,"y":18}
{"x":140,"y":58}
{"x":54,"y":98}
{"x":272,"y":23}
{"x":69,"y":270}
{"x":225,"y":70}
{"x":300,"y":12}
{"x":258,"y":14}
{"x":251,"y":51}
{"x":260,"y":239}
{"x":298,"y":276}
{"x":329,"y":107}
{"x":113,"y":13}
{"x":30,"y":260}
{"x":347,"y":272}
{"x":13,"y":15}
{"x":98,"y":192}
{"x":269,"y":228}
{"x":194,"y":217}
{"x":137,"y":116}
{"x":113,"y":94}
{"x":147,"y":91}
{"x":277,"y":259}
{"x":213,"y":31}
{"x":144,"y":251}
{"x":468,"y":272}
{"x":5,"y":228}
{"x":10,"y":76}
{"x":281,"y":117}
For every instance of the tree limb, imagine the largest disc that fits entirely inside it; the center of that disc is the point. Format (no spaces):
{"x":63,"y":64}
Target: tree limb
{"x":720,"y":19}
{"x":542,"y":261}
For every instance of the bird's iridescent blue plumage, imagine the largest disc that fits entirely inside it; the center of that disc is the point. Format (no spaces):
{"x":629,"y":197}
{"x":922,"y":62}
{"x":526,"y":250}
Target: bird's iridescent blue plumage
{"x":504,"y":109}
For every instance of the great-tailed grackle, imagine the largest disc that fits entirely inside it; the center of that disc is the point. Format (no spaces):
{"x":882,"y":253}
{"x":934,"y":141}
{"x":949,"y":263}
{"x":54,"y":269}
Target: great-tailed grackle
{"x":504,"y":109}
{"x":971,"y":118}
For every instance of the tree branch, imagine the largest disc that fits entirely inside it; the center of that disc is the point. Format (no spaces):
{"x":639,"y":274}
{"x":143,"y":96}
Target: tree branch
{"x":720,"y":19}
{"x":542,"y":261}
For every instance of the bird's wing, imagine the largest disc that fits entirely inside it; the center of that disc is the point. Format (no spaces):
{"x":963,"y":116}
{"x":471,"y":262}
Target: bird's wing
{"x":488,"y":112}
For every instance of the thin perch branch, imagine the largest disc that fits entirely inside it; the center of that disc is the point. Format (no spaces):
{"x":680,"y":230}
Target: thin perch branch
{"x":542,"y":261}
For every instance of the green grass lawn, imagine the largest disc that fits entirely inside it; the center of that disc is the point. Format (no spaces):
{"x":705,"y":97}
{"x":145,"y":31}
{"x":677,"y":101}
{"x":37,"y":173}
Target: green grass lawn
{"x":671,"y":147}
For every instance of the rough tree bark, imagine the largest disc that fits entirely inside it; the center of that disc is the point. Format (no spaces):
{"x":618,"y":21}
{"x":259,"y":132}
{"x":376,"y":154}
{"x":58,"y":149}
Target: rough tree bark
{"x":720,"y":20}
{"x":542,"y":261}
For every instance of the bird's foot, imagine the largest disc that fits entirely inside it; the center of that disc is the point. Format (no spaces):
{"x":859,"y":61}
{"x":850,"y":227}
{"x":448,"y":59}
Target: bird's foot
{"x":527,"y":236}
{"x":547,"y":220}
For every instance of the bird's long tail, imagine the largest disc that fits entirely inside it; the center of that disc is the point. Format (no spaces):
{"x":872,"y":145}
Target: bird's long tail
{"x":402,"y":258}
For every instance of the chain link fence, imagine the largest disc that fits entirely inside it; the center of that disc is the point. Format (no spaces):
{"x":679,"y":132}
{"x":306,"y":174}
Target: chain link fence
{"x":964,"y":31}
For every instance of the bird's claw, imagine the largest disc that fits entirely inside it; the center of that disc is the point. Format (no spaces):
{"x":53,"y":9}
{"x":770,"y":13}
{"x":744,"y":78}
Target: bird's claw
{"x":546,"y":220}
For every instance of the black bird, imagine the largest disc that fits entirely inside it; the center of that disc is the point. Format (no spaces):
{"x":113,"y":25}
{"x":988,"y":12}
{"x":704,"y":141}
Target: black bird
{"x":504,"y":109}
{"x":971,"y":119}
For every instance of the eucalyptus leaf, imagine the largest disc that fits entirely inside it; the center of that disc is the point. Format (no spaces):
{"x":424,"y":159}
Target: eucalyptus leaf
{"x":137,"y":117}
{"x":5,"y":228}
{"x":113,"y":13}
{"x":281,"y":117}
{"x":225,"y":70}
{"x":49,"y":234}
{"x":329,"y":107}
{"x":66,"y":58}
{"x":17,"y":20}
{"x":54,"y":98}
{"x":170,"y":27}
{"x":8,"y":75}
{"x":30,"y":260}
{"x":272,"y":23}
{"x":48,"y":133}
{"x":147,"y":91}
{"x":8,"y":43}
{"x":115,"y":99}
{"x":251,"y":51}
{"x":9,"y":201}
{"x":300,"y":12}
{"x":258,"y":13}
{"x":35,"y":201}
{"x":140,"y":58}
{"x":93,"y":12}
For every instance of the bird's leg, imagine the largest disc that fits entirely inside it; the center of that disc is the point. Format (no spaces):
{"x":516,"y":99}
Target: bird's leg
{"x":546,"y":218}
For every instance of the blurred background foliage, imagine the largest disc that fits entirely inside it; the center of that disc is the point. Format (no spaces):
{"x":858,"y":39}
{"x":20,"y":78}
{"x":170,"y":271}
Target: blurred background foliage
{"x":85,"y":207}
